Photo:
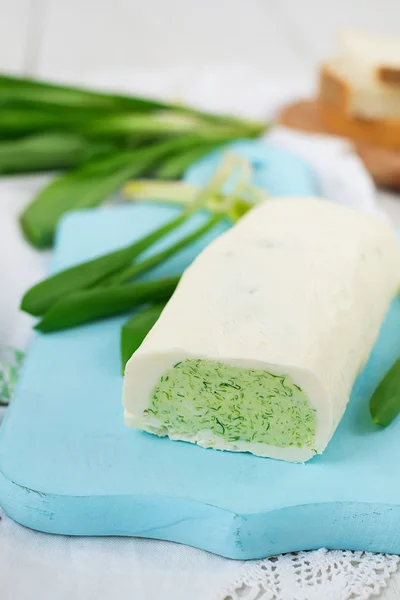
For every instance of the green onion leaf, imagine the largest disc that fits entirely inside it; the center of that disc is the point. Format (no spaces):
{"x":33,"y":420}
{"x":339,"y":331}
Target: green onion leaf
{"x":17,"y":122}
{"x":48,"y":151}
{"x":158,"y":124}
{"x":41,"y":297}
{"x":142,"y":267}
{"x":38,"y":92}
{"x":384,"y":405}
{"x":135,"y":330}
{"x":97,"y":303}
{"x":28,"y":93}
{"x":85,"y":187}
{"x":174,"y":167}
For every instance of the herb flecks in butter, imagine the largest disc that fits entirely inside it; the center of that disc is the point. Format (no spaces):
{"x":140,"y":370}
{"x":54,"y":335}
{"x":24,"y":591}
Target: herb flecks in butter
{"x":234,"y":403}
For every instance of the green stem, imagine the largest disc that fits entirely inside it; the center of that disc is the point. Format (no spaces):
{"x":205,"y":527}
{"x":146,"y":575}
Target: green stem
{"x":49,"y":152}
{"x":41,"y":297}
{"x":174,"y":192}
{"x":90,"y":305}
{"x":149,"y":263}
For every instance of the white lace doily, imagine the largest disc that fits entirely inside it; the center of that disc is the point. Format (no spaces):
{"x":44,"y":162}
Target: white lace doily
{"x":319,"y":575}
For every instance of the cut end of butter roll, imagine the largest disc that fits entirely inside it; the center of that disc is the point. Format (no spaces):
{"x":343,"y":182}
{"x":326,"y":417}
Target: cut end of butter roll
{"x":259,"y":347}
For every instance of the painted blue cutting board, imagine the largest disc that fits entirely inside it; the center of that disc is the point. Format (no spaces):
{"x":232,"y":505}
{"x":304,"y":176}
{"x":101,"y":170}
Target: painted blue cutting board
{"x":68,"y":464}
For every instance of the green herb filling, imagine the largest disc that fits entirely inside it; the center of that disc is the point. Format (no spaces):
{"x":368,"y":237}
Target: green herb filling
{"x":235,"y":404}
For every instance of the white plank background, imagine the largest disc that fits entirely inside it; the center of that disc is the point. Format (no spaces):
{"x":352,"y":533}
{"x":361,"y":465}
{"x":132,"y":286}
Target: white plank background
{"x":14,"y":32}
{"x":68,"y":39}
{"x":47,"y":37}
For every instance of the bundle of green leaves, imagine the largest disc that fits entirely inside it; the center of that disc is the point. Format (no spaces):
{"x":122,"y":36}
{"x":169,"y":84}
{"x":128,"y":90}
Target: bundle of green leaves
{"x":102,"y":140}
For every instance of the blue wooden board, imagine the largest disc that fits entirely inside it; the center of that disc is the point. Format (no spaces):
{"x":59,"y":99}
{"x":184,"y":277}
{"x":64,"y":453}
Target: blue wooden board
{"x":68,"y":464}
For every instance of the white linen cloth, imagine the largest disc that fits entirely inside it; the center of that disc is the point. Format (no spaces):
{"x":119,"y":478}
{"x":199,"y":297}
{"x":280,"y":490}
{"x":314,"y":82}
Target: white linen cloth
{"x":36,"y":565}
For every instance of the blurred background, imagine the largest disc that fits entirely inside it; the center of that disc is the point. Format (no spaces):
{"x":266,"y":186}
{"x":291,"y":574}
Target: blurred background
{"x":248,"y":57}
{"x":284,"y":38}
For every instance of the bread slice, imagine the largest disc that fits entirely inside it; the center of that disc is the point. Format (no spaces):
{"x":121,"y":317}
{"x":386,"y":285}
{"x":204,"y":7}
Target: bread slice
{"x":353,"y":91}
{"x":378,"y":55}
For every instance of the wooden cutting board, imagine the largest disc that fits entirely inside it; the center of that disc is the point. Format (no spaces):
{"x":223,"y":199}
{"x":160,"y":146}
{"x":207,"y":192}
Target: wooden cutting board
{"x":68,"y":465}
{"x":382,"y":162}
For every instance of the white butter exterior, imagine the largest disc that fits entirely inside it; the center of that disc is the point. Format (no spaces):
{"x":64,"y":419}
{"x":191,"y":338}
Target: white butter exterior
{"x":300,"y":286}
